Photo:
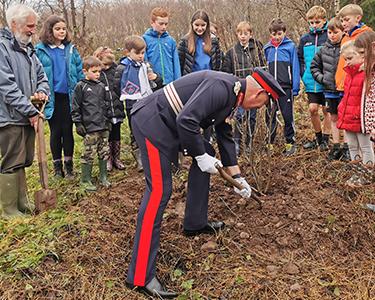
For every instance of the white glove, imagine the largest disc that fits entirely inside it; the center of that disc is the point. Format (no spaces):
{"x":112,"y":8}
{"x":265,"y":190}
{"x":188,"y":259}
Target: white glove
{"x":246,"y":191}
{"x":207,"y":163}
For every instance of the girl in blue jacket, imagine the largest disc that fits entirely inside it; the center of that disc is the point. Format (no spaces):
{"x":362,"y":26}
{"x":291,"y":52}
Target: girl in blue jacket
{"x":63,"y":66}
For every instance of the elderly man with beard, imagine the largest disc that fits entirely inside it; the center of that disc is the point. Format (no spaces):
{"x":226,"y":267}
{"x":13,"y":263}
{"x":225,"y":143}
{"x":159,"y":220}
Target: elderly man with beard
{"x":21,"y":76}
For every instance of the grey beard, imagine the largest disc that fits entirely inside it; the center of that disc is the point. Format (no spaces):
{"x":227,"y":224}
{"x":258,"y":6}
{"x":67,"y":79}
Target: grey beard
{"x":23,"y":39}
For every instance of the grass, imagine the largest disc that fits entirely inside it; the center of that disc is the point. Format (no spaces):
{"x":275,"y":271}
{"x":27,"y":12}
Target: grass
{"x":26,"y":242}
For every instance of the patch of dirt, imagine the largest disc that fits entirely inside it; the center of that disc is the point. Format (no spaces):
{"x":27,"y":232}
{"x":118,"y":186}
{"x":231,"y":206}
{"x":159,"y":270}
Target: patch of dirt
{"x":312,"y":239}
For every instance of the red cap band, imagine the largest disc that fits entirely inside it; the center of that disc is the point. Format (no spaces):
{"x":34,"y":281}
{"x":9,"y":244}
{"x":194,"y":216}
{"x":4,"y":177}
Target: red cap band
{"x":265,"y":85}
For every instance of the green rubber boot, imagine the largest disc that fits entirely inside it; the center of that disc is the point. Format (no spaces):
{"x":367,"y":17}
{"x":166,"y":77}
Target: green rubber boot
{"x":86,"y":182}
{"x":9,"y":196}
{"x":103,"y":173}
{"x":24,"y":204}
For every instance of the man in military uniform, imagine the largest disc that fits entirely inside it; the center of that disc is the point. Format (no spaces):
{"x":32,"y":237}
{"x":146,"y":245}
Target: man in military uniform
{"x":170,"y":121}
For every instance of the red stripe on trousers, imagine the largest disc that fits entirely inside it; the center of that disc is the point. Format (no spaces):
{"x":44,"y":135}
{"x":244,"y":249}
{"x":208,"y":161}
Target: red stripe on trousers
{"x":149,"y":215}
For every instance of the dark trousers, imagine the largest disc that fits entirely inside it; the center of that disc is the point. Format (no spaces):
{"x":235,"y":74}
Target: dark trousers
{"x":285,"y":105}
{"x":61,"y":127}
{"x":17,"y":144}
{"x":129,"y":106}
{"x":158,"y":177}
{"x":115,"y":133}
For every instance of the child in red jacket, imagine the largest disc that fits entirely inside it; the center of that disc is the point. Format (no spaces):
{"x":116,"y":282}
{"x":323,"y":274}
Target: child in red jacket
{"x":349,"y":110}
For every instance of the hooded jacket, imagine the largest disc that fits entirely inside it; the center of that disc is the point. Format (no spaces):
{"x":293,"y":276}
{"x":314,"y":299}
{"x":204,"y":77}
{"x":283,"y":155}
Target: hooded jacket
{"x":324,"y":65}
{"x":21,"y":75}
{"x":241,"y":61}
{"x":283,"y":64}
{"x":74,"y":71}
{"x":310,"y":44}
{"x":340,"y":73}
{"x":187,"y":59}
{"x":90,"y":106}
{"x":116,"y":107}
{"x":161,"y":52}
{"x":349,"y":109}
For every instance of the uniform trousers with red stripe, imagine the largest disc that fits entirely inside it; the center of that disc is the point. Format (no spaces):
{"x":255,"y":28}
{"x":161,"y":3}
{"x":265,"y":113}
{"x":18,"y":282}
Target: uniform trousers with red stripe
{"x":158,"y":176}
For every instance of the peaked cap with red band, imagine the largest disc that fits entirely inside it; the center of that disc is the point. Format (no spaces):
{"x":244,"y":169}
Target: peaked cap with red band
{"x":268,"y":83}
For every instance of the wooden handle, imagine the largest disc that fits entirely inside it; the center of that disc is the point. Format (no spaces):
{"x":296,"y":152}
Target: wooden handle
{"x":228,"y":178}
{"x":42,"y":157}
{"x":235,"y":183}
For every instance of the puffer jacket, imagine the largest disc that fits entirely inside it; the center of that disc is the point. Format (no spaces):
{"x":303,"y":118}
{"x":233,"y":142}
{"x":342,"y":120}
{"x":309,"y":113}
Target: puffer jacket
{"x":324,"y":65}
{"x":241,"y":61}
{"x":90,"y":106}
{"x":340,"y":73}
{"x":349,"y":110}
{"x":187,"y":59}
{"x":21,"y":75}
{"x":116,"y":106}
{"x":161,"y":52}
{"x":74,"y":71}
{"x":309,"y":45}
{"x":283,"y":64}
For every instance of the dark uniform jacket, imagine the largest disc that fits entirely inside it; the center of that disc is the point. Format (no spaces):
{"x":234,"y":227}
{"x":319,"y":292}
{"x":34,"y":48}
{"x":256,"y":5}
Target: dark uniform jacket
{"x":241,"y":61}
{"x":324,"y":65}
{"x":208,"y":99}
{"x":116,"y":107}
{"x":187,"y":59}
{"x":90,"y":106}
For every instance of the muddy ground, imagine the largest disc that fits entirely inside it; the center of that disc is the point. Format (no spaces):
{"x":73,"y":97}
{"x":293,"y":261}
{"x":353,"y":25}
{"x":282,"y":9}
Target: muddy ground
{"x":312,"y":239}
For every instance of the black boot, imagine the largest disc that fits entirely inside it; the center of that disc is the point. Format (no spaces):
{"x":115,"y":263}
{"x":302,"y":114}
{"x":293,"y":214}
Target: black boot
{"x":154,"y":289}
{"x":68,"y":167}
{"x":335,"y":152}
{"x":58,"y":169}
{"x":345,"y":154}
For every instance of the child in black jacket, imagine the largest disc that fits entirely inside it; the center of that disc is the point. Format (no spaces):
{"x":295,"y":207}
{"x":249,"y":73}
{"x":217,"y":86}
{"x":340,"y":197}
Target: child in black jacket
{"x":116,"y":110}
{"x":90,"y":116}
{"x":241,"y":60}
{"x":323,"y":69}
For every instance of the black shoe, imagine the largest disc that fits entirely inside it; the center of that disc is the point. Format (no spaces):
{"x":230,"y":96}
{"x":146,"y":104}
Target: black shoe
{"x":323,"y":146}
{"x":58,"y":169}
{"x":210,"y":228}
{"x":345,"y":154}
{"x":335,"y":153}
{"x":154,"y":289}
{"x":310,"y":145}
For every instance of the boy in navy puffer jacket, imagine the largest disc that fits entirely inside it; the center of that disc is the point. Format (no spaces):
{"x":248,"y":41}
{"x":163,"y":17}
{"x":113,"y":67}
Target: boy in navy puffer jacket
{"x":282,"y":59}
{"x":310,"y":44}
{"x":323,"y":69}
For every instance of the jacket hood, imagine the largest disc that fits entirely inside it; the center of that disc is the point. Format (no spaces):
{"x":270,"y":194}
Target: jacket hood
{"x":284,"y":42}
{"x":6,"y":33}
{"x":358,"y":30}
{"x":153,"y":33}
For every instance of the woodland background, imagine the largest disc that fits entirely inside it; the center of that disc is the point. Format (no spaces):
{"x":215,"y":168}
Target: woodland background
{"x":95,"y":23}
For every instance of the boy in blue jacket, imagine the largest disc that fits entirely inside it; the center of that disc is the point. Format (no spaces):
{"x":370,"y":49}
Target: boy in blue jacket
{"x":282,"y":59}
{"x":161,"y":50}
{"x":310,"y":44}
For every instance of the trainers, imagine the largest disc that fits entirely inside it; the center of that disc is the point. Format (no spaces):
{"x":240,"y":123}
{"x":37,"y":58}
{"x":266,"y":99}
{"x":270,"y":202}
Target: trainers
{"x":335,"y":153}
{"x":290,"y":149}
{"x":323,"y":146}
{"x":310,"y":145}
{"x":345,"y":154}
